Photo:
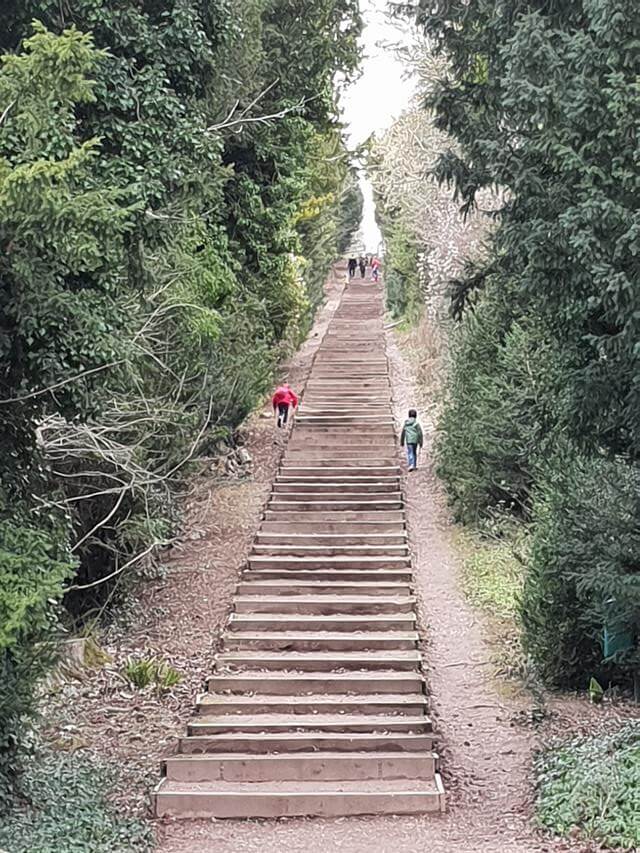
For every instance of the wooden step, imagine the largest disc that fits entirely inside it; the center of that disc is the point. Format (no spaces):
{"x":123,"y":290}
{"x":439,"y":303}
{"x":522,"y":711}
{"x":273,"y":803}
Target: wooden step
{"x":286,"y":547}
{"x":324,"y":561}
{"x":319,"y":640}
{"x":317,"y":661}
{"x":275,"y":799}
{"x":292,"y":586}
{"x":325,"y":604}
{"x":337,"y":574}
{"x":264,"y":703}
{"x":375,"y":519}
{"x":313,"y":622}
{"x":293,"y":683}
{"x":282,"y":742}
{"x":326,"y":766}
{"x":342,"y":723}
{"x":317,"y":488}
{"x":308,"y":526}
{"x":331,"y":540}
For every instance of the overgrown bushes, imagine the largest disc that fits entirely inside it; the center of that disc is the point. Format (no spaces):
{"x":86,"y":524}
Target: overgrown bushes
{"x":34,"y":564}
{"x":584,"y":572}
{"x":542,"y":413}
{"x":402,"y":282}
{"x":162,"y":247}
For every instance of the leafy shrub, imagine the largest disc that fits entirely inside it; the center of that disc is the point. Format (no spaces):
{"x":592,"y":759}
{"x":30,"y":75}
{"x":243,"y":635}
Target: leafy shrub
{"x":152,"y":275}
{"x":507,"y":396}
{"x":584,"y":571}
{"x":142,"y":672}
{"x":404,"y":297}
{"x":64,"y":808}
{"x":34,"y":564}
{"x":592,"y":783}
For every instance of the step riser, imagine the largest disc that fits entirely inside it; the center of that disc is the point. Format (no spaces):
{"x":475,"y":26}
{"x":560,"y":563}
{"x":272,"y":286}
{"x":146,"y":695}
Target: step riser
{"x":329,"y":458}
{"x":326,"y":478}
{"x":393,"y":576}
{"x":278,"y":705}
{"x":315,"y":665}
{"x":372,"y":541}
{"x":354,"y":528}
{"x":340,"y":471}
{"x":232,"y":644}
{"x":232,"y":725}
{"x":329,"y":552}
{"x":295,"y":685}
{"x":243,"y":805}
{"x":355,"y":466}
{"x":277,"y":506}
{"x":261,"y":744}
{"x":370,"y":608}
{"x":332,"y":498}
{"x":327,"y":562}
{"x":335,"y":488}
{"x":299,"y":768}
{"x":280,"y":621}
{"x":345,"y":521}
{"x":259,"y":588}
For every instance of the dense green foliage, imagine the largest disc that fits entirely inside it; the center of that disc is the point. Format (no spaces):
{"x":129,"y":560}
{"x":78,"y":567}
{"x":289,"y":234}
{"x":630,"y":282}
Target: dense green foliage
{"x":592,"y":783}
{"x":543,"y":411}
{"x":402,"y":282}
{"x":173,"y":189}
{"x":65,"y":809}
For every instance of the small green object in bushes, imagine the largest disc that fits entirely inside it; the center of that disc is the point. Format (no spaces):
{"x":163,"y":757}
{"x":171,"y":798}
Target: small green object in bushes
{"x":617,"y":637}
{"x":595,"y":691}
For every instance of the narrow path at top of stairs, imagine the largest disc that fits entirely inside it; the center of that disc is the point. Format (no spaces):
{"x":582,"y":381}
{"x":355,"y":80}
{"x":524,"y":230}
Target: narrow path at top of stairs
{"x":316,"y":704}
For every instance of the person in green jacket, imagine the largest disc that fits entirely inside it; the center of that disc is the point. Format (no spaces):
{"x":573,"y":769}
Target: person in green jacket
{"x":411,"y":436}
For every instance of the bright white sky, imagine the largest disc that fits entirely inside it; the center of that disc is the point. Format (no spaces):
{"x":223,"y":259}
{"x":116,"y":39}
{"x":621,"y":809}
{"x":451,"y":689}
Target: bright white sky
{"x":377,"y":98}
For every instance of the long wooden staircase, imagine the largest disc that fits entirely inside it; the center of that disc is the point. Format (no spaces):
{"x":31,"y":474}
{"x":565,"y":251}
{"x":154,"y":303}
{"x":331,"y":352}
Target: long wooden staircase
{"x":317,"y":703}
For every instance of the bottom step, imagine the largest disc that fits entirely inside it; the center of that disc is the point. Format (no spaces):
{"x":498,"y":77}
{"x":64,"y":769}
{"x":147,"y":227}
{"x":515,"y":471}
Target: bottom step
{"x":278,"y":799}
{"x":301,"y":766}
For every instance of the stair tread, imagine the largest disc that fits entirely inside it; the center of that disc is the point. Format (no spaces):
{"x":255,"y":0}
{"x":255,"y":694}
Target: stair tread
{"x":280,"y":756}
{"x":318,"y":599}
{"x":380,"y":675}
{"x":334,"y":558}
{"x":382,"y":654}
{"x":215,"y":699}
{"x":326,"y":635}
{"x":300,"y":788}
{"x":299,"y":721}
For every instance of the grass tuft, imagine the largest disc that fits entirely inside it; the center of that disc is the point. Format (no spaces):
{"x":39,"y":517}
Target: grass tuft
{"x":142,"y":672}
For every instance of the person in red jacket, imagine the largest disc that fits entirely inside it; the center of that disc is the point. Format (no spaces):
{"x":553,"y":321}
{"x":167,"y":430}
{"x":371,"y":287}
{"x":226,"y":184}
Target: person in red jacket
{"x":282,"y":399}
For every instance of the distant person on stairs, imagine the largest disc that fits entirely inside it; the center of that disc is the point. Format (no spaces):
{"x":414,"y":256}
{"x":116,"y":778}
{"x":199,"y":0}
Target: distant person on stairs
{"x":363,"y":266}
{"x":375,"y":269}
{"x":353,"y":265}
{"x":281,"y":400}
{"x":412,"y":438}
